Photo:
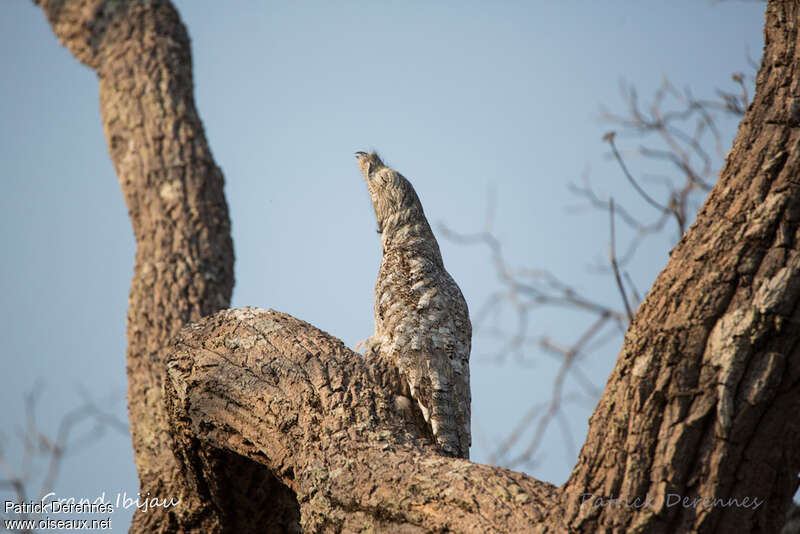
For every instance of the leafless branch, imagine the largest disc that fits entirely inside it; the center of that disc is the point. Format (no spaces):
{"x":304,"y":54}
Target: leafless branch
{"x":609,"y":137}
{"x":525,"y":290}
{"x":676,"y":129}
{"x":613,"y":258}
{"x":38,"y":448}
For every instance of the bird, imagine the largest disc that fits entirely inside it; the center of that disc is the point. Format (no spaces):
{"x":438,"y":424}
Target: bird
{"x":422,"y":324}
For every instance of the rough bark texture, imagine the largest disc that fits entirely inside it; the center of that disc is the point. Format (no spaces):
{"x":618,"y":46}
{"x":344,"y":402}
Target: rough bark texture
{"x":174,"y":193}
{"x":286,"y":395}
{"x":260,"y":422}
{"x":705,"y":395}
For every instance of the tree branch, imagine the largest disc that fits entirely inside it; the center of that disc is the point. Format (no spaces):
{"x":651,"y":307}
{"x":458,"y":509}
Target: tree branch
{"x":283,"y":394}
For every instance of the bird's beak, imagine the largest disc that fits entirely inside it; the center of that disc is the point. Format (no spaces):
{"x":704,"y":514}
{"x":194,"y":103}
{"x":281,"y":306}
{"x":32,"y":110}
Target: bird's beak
{"x":359,"y":154}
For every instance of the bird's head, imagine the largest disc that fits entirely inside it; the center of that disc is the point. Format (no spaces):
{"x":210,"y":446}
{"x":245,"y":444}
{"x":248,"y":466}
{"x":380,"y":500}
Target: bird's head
{"x":393,"y":197}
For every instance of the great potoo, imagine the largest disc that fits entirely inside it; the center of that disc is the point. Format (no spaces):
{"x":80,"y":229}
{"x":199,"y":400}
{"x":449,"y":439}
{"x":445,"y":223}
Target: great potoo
{"x":421,"y":319}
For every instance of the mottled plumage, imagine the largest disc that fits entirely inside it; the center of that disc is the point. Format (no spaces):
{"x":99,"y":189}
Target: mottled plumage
{"x":421,"y":318}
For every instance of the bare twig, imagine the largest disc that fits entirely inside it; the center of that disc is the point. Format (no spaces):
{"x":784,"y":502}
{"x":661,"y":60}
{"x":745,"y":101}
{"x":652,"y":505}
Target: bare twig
{"x":40,"y":447}
{"x":613,"y":257}
{"x":609,"y":137}
{"x":676,"y":128}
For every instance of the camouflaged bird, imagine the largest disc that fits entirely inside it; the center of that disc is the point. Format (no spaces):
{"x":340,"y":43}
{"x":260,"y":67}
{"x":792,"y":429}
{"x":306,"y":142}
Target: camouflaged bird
{"x":421,"y":319}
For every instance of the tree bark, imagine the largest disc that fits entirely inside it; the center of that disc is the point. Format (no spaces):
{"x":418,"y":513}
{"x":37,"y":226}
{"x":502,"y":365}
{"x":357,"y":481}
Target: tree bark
{"x":260,"y":422}
{"x":283,"y":394}
{"x":704,"y":397}
{"x":174,"y":193}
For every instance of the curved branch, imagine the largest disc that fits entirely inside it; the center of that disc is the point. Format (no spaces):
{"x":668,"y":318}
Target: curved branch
{"x":283,"y":394}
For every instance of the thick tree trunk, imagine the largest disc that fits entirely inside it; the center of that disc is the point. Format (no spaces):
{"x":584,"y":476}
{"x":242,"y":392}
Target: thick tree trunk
{"x":260,"y":422}
{"x":174,"y":192}
{"x":704,"y":399}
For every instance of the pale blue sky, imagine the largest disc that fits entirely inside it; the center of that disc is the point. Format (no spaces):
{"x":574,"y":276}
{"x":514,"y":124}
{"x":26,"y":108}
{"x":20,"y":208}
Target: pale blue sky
{"x":461,"y":97}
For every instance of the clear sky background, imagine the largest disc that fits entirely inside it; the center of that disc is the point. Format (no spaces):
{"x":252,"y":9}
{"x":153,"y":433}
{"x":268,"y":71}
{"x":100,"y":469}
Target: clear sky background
{"x":463,"y":98}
